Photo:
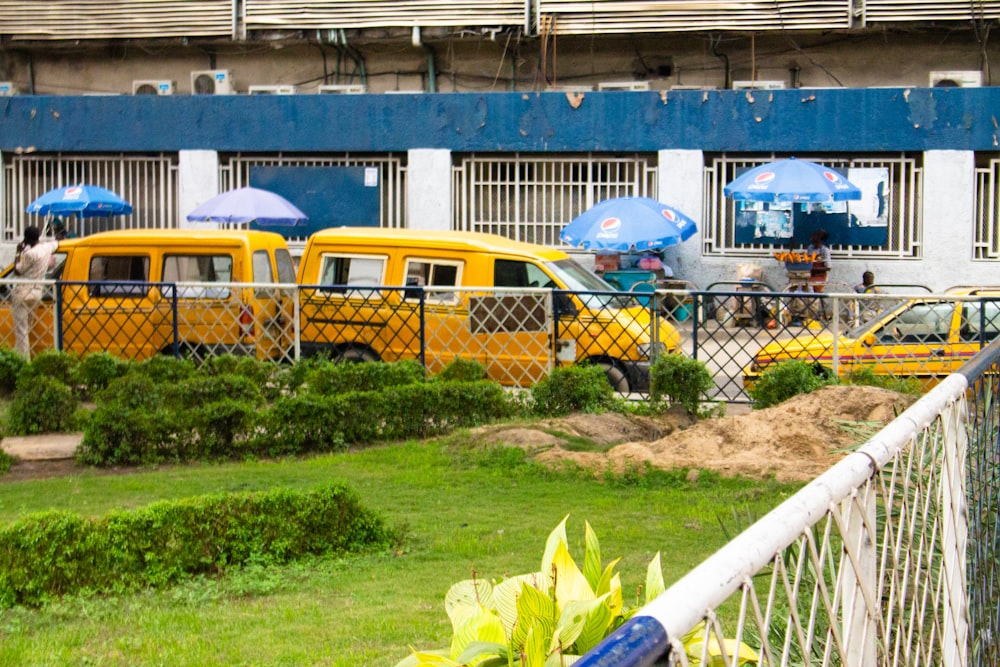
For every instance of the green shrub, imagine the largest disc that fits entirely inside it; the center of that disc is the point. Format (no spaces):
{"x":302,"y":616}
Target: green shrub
{"x":96,"y":371}
{"x":54,"y":364}
{"x":201,"y":389}
{"x":165,"y":368}
{"x":582,"y":388}
{"x":219,"y":412}
{"x":6,"y":460}
{"x":50,"y":554}
{"x":297,"y":424}
{"x":680,"y":379}
{"x":42,"y":405}
{"x":262,"y":373}
{"x":131,"y":425}
{"x":865,"y":375}
{"x":463,"y":370}
{"x":11,"y":365}
{"x":314,"y":423}
{"x":787,"y":379}
{"x":333,"y":378}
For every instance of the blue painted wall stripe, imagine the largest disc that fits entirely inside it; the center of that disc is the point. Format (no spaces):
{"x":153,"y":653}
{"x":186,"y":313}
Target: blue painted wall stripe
{"x":793,"y":121}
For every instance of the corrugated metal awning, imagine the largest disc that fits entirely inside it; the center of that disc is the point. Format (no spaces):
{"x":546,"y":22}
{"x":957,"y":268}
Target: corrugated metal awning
{"x":295,"y":14}
{"x":898,"y":11}
{"x":89,"y":19}
{"x":572,"y":17}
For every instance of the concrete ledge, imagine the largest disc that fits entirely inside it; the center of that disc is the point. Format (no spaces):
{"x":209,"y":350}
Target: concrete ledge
{"x":48,"y":446}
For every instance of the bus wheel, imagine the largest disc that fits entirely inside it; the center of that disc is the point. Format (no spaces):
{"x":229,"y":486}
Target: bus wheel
{"x":616,"y":377}
{"x":356,"y":355}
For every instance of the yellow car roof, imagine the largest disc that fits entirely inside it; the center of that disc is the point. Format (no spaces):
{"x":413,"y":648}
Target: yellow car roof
{"x":424,"y":238}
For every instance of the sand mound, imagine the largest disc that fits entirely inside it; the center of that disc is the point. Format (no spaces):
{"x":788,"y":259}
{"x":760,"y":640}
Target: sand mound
{"x":796,"y":440}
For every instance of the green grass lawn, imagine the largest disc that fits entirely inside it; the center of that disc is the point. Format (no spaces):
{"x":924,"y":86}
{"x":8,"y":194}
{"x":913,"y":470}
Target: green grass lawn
{"x":462,"y":509}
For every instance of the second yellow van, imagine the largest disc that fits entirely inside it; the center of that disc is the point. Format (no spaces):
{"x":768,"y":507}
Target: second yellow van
{"x":390,"y":294}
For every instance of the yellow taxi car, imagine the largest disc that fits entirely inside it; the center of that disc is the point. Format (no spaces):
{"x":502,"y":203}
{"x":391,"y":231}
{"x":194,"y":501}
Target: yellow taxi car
{"x":922,"y":338}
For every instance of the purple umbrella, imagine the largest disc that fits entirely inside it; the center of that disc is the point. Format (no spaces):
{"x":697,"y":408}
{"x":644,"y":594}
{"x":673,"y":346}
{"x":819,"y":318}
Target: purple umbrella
{"x":248,"y":205}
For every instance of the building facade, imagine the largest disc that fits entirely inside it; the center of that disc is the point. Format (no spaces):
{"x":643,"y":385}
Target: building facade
{"x":513,"y":117}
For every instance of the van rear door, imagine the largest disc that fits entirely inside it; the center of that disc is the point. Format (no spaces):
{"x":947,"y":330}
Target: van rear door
{"x":117,"y":310}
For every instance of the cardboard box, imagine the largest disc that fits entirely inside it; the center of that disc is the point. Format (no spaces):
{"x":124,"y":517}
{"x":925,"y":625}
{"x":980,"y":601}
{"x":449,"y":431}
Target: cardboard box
{"x":609,"y":262}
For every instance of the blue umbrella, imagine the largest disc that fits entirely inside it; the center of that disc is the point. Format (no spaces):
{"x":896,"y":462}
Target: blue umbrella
{"x":85,"y":201}
{"x":625,"y":223}
{"x":792,"y":180}
{"x":248,"y":205}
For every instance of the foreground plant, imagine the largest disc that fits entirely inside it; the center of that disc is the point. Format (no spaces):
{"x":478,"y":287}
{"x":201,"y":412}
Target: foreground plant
{"x":545,"y":618}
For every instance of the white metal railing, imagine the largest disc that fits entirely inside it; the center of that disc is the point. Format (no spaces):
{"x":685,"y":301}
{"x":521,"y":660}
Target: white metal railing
{"x":149,"y":183}
{"x":532,"y":197}
{"x":986,"y":237}
{"x":902,"y":204}
{"x":863,"y":566}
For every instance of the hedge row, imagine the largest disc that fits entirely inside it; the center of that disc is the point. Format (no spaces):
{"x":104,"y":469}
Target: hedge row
{"x":222,"y":417}
{"x":57,"y":553}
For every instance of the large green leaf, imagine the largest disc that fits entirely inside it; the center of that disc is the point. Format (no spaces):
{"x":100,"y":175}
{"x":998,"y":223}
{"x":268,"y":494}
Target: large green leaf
{"x":570,"y":584}
{"x":536,"y":611}
{"x":483,"y":627}
{"x":467,"y":598}
{"x":556,"y":537}
{"x":479,"y":653}
{"x":505,"y":596}
{"x":427,"y":659}
{"x":584,"y":624}
{"x":607,"y":577}
{"x":533,"y":651}
{"x":591,"y":557}
{"x":654,"y":579}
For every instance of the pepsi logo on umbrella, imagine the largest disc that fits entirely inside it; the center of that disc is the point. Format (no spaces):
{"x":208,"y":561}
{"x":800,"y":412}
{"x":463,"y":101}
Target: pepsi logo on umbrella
{"x":609,"y":228}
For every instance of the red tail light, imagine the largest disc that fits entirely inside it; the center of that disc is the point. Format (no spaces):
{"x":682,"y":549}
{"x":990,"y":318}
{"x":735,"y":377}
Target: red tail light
{"x":246,"y":321}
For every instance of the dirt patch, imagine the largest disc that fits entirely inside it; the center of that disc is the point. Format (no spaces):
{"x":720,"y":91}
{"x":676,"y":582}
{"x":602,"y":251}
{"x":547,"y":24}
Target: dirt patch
{"x":794,"y":441}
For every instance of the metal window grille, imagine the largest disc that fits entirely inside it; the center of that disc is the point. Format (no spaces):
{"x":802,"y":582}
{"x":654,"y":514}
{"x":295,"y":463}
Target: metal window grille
{"x":986,"y":243}
{"x":905,"y":188}
{"x":149,"y":183}
{"x":234,"y":172}
{"x":531,"y":197}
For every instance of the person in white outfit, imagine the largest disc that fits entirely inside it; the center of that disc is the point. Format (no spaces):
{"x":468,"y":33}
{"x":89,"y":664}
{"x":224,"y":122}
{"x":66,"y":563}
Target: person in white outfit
{"x":30,"y":264}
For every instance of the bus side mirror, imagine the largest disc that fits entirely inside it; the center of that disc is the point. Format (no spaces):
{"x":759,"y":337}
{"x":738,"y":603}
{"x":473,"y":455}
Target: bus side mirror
{"x":869,"y":340}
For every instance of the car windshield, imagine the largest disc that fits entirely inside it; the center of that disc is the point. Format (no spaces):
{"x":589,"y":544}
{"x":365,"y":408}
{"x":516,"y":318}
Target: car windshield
{"x":579,"y":279}
{"x":913,"y":321}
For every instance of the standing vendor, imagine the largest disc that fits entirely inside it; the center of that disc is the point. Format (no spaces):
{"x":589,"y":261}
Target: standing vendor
{"x":820,"y":268}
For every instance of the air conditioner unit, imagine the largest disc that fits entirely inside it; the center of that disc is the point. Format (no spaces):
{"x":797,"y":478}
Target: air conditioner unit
{"x":272,"y":90}
{"x":153,"y":87}
{"x":957,"y":79}
{"x":211,"y":82}
{"x":758,"y":85}
{"x":623,"y":85}
{"x":684,"y":86}
{"x":570,"y":88}
{"x":7,"y":88}
{"x":342,"y":89}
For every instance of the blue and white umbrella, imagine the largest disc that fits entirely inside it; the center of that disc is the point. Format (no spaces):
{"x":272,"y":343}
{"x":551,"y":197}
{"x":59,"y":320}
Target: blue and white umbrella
{"x":248,"y":205}
{"x":792,"y":180}
{"x":627,"y":223}
{"x":85,"y":201}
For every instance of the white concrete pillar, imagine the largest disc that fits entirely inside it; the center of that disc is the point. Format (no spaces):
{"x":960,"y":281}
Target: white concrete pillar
{"x":197,"y":182}
{"x":681,"y":184}
{"x":949,"y":212}
{"x":428,"y":189}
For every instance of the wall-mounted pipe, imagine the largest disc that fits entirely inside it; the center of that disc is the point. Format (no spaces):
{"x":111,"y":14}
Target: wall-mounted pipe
{"x":417,"y":42}
{"x":340,"y":41}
